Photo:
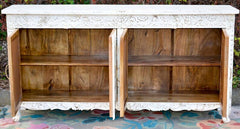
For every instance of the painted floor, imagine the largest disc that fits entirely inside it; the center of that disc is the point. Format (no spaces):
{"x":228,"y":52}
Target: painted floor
{"x":98,"y":119}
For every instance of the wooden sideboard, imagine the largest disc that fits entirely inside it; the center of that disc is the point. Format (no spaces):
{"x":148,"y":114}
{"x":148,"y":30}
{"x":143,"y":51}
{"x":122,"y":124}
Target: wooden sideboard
{"x":118,"y":57}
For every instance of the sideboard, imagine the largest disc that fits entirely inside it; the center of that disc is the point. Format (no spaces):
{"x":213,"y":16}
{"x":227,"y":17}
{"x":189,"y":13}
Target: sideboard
{"x":118,"y":57}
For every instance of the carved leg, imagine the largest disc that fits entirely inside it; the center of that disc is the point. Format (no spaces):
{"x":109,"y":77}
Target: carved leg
{"x":225,"y":116}
{"x":226,"y":119}
{"x":17,"y":116}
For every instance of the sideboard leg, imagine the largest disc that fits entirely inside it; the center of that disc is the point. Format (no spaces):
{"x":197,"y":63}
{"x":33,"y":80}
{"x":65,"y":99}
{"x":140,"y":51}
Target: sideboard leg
{"x":226,"y":119}
{"x":18,"y":116}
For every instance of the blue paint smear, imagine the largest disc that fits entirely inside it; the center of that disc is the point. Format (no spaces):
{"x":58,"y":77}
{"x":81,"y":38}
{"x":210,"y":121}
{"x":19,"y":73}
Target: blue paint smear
{"x":168,"y":115}
{"x":215,"y":114}
{"x":76,"y":113}
{"x":101,"y":118}
{"x":150,"y":123}
{"x":187,"y":119}
{"x":132,"y":125}
{"x":58,"y":112}
{"x":188,"y":114}
{"x":33,"y":116}
{"x":3,"y":112}
{"x":89,"y":120}
{"x":105,"y":114}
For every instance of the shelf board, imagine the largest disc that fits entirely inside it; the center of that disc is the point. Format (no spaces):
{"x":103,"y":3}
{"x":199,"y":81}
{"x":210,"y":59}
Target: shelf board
{"x":65,"y":60}
{"x":65,"y":96}
{"x":173,"y":61}
{"x":176,"y":96}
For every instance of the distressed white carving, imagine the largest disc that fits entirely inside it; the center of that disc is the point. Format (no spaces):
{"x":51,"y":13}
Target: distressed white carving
{"x":64,"y":105}
{"x":174,"y":106}
{"x":157,"y":21}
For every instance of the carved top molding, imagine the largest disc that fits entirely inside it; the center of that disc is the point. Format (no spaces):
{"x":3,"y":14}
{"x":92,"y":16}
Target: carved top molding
{"x":119,"y":9}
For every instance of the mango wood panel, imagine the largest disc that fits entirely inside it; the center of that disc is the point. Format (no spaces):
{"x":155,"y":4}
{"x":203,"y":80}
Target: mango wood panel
{"x":45,"y":77}
{"x":89,"y":41}
{"x":63,"y":96}
{"x":224,"y":72}
{"x":44,"y":42}
{"x":89,"y":78}
{"x":196,"y":78}
{"x":179,"y":96}
{"x":149,"y":42}
{"x":14,"y":71}
{"x":65,"y":60}
{"x":148,"y":78}
{"x":196,"y":42}
{"x":174,"y":61}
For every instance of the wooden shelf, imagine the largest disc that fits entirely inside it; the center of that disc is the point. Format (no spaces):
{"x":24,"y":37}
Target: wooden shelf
{"x":173,"y":61}
{"x":176,"y":96}
{"x":65,"y":96}
{"x":65,"y":60}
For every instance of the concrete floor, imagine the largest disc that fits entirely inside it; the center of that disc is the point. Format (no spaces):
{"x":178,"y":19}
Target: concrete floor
{"x":4,"y":97}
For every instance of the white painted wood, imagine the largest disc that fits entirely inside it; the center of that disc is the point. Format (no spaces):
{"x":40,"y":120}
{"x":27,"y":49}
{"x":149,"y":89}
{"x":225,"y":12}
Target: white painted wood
{"x":64,"y":105}
{"x":114,"y":67}
{"x":120,"y":9}
{"x":174,"y":106}
{"x":17,"y":117}
{"x":120,"y":17}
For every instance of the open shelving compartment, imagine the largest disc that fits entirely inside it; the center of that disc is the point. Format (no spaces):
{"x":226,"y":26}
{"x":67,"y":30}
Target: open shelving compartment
{"x":61,"y":65}
{"x":172,"y":66}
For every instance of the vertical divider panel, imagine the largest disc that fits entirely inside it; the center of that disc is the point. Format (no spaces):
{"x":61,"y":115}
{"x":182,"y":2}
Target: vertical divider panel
{"x":123,"y":71}
{"x":14,"y":71}
{"x":224,"y":71}
{"x":112,"y":73}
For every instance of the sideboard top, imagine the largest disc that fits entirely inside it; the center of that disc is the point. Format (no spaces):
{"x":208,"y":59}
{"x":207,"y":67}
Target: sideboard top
{"x":119,"y":9}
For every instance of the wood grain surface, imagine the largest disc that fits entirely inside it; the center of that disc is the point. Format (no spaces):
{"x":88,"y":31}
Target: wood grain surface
{"x":196,"y":42}
{"x":63,"y":96}
{"x":123,"y":71}
{"x":14,"y":71}
{"x":59,"y":59}
{"x":179,"y":96}
{"x":224,"y":72}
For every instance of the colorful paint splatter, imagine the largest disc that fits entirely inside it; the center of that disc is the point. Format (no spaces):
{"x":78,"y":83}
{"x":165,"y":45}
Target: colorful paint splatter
{"x":98,"y":119}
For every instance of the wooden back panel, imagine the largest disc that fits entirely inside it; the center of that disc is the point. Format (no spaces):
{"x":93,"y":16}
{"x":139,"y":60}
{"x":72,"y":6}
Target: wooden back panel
{"x":45,"y":77}
{"x":89,"y":42}
{"x":43,"y":42}
{"x":14,"y":71}
{"x":89,"y":78}
{"x":196,"y":42}
{"x":178,"y":42}
{"x":147,"y":42}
